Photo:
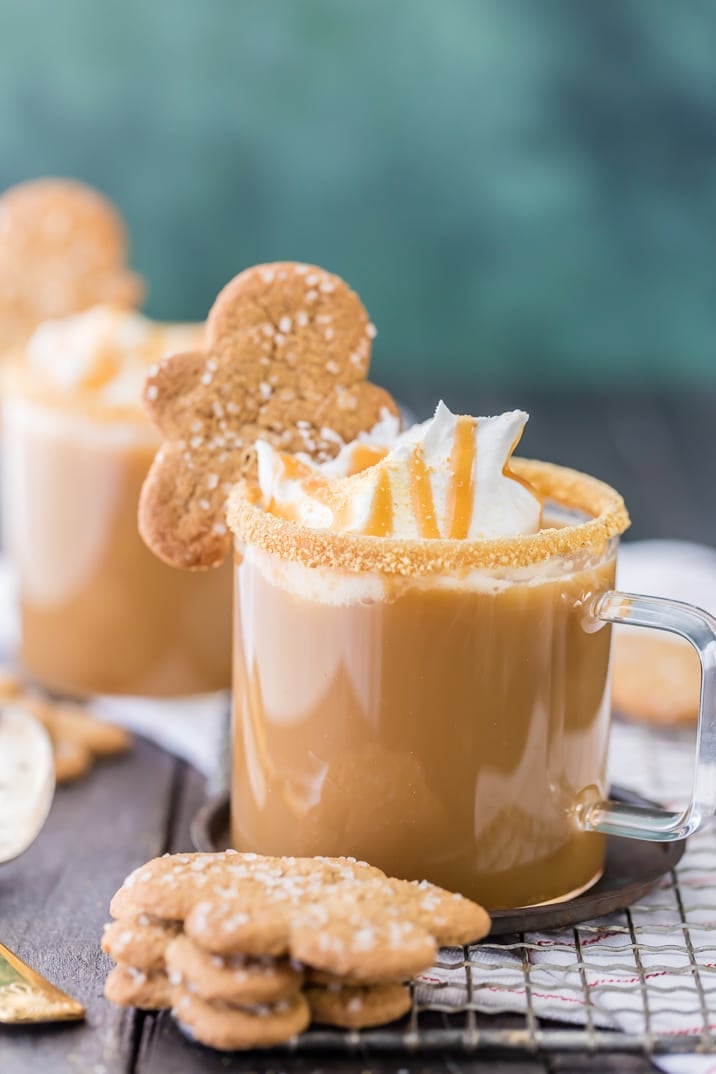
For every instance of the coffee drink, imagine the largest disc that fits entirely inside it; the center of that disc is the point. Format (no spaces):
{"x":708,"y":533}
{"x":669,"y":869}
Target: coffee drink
{"x":432,"y":705}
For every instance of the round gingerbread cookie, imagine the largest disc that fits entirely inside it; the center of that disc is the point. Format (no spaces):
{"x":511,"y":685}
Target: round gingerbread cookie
{"x":358,"y":1007}
{"x":656,"y":679}
{"x":141,"y":943}
{"x":231,"y":1028}
{"x":235,"y":979}
{"x":129,"y":986}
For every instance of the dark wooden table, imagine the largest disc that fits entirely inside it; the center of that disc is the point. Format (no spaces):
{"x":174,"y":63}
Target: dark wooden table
{"x":53,"y":900}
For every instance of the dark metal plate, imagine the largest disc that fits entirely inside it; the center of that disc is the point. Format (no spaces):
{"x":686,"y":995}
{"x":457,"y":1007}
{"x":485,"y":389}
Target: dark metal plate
{"x":632,"y":869}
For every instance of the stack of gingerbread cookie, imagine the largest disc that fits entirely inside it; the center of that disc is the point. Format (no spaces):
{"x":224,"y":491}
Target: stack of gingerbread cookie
{"x":248,"y":950}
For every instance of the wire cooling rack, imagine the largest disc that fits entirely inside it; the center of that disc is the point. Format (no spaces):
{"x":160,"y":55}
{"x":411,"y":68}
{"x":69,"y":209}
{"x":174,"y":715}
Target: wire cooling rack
{"x":640,"y":980}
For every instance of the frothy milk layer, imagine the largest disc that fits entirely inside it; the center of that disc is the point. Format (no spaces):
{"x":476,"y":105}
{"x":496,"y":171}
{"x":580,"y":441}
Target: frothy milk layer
{"x":104,"y":351}
{"x":446,"y":478}
{"x":328,"y":585}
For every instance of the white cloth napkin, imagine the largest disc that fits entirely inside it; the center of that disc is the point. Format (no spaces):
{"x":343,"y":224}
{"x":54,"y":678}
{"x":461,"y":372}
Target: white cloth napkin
{"x":193,"y":728}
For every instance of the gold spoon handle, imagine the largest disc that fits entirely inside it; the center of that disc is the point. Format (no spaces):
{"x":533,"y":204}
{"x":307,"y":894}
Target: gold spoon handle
{"x":26,"y":997}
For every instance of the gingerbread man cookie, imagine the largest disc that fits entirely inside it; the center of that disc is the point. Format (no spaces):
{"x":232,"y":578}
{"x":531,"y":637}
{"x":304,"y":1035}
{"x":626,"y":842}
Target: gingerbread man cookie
{"x":287,"y":353}
{"x":63,"y":248}
{"x":78,"y":738}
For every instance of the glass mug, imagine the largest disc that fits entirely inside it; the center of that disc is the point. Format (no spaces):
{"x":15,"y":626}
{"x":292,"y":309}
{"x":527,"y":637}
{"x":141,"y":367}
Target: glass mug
{"x":441,"y":709}
{"x":99,"y":613}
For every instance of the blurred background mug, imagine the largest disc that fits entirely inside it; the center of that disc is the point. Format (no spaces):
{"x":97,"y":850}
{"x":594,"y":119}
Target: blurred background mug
{"x":99,"y":613}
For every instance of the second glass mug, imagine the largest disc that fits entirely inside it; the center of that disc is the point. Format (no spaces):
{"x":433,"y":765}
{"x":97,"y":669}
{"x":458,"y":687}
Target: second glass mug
{"x":441,"y":709}
{"x":99,"y":612}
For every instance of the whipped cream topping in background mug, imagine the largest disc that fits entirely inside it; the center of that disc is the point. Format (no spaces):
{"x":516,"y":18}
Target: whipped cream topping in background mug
{"x":104,"y":350}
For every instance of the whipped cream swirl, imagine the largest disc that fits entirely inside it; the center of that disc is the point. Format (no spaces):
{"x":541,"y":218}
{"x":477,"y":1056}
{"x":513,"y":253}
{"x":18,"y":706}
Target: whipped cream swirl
{"x":448,"y":477}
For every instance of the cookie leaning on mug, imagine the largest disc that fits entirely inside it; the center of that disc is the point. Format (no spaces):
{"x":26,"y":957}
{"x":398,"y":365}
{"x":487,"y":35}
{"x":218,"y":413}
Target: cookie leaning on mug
{"x":259,"y":945}
{"x":287,"y":354}
{"x":63,"y":248}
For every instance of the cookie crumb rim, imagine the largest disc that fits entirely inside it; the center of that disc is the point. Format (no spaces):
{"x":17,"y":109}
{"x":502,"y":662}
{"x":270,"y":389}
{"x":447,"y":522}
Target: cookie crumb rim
{"x":353,"y":552}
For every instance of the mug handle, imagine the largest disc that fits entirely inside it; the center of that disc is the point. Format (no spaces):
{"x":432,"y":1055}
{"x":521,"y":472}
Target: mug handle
{"x":698,"y":627}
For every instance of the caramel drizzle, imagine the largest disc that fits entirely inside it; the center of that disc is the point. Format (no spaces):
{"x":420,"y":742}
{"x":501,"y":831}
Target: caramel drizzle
{"x":314,"y":485}
{"x":421,"y":495}
{"x":461,"y":490}
{"x":380,"y":520}
{"x":106,"y":366}
{"x":460,"y":499}
{"x":294,"y":469}
{"x":365,"y":455}
{"x":507,"y":471}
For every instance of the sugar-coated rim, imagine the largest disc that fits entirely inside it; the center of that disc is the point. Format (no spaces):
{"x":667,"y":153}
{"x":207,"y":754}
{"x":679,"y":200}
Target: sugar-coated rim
{"x":390,"y":555}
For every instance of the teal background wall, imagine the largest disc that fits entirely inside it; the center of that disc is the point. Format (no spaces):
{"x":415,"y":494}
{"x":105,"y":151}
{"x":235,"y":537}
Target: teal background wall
{"x":523,"y":191}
